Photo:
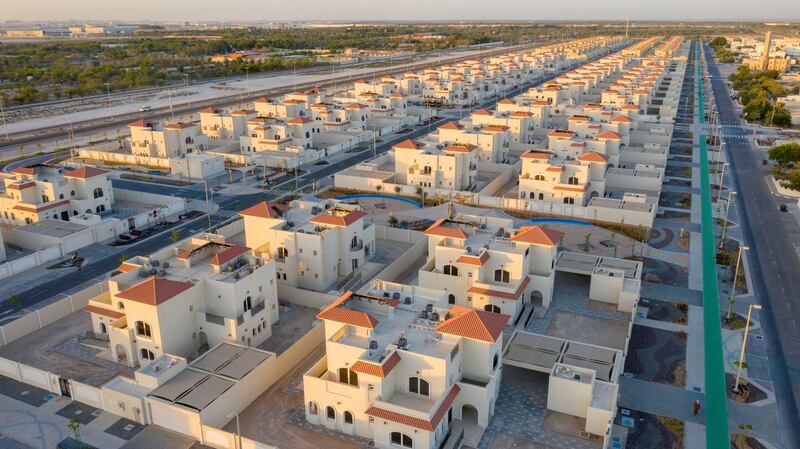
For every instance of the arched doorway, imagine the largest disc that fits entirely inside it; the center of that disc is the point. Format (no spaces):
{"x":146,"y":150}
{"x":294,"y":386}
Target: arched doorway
{"x":537,"y":298}
{"x":103,"y":329}
{"x":121,"y":354}
{"x":469,"y":415}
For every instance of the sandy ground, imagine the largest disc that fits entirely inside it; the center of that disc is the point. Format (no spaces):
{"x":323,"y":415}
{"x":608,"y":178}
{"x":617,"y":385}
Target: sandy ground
{"x":267,"y":418}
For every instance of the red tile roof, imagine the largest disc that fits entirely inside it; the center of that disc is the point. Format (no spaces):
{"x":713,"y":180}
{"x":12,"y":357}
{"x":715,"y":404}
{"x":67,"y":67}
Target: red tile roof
{"x":179,"y":125}
{"x":265,"y":209}
{"x":85,"y":172}
{"x":609,"y":135}
{"x":419,"y":423}
{"x":103,"y":311}
{"x":409,"y":145}
{"x":621,"y":119}
{"x":506,"y":101}
{"x":298,"y":121}
{"x":460,"y":148}
{"x":25,"y":170}
{"x":474,"y":260}
{"x":140,"y":124}
{"x":451,"y":125}
{"x":474,"y":324}
{"x":495,"y":128}
{"x":22,"y":185}
{"x":339,"y":220}
{"x":593,"y":156}
{"x":535,"y":154}
{"x":335,"y":312}
{"x":573,"y":189}
{"x":439,"y":229}
{"x":538,"y":235}
{"x":37,"y":209}
{"x":481,"y":112}
{"x":228,"y":254}
{"x":379,"y":370}
{"x":560,"y":133}
{"x":155,"y":290}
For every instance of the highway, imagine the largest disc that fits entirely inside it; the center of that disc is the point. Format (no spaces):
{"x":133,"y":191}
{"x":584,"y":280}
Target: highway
{"x":227,"y":204}
{"x":774,"y":264}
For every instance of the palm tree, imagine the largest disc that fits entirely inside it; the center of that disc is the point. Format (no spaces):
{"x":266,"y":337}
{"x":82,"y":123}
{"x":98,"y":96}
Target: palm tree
{"x":75,"y":425}
{"x":175,"y":235}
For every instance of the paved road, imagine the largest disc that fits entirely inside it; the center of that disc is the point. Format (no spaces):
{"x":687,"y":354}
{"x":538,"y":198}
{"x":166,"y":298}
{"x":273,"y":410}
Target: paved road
{"x":228,"y":205}
{"x":774,"y":266}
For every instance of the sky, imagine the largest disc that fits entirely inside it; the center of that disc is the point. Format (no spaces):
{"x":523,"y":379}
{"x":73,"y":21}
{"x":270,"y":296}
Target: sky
{"x":287,"y":10}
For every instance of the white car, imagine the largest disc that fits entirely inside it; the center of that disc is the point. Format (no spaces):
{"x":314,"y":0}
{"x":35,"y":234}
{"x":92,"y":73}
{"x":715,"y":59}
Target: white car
{"x":145,"y":108}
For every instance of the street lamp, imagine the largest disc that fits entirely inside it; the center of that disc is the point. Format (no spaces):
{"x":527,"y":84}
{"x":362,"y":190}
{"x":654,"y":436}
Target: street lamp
{"x":742,"y":249}
{"x":725,"y":223}
{"x":238,"y":431}
{"x":721,"y":182}
{"x":744,"y":344}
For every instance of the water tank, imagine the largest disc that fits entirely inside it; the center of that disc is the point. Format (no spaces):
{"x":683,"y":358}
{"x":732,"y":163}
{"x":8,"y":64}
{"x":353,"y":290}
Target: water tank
{"x":407,"y":300}
{"x":429,"y":308}
{"x":396,"y":296}
{"x":373,"y":345}
{"x":402,"y":343}
{"x":155,"y":263}
{"x":165,"y":265}
{"x":435,"y":316}
{"x":153,"y":271}
{"x":423,"y":315}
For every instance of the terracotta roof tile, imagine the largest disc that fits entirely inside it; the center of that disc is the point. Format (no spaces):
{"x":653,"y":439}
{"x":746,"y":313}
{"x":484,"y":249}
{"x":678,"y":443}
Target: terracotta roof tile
{"x":535,"y":154}
{"x":593,"y":156}
{"x":439,"y":229}
{"x":474,"y":260}
{"x":474,"y":324}
{"x":609,"y":135}
{"x":103,"y":311}
{"x":85,"y":172}
{"x":419,"y":423}
{"x":265,"y":209}
{"x":339,"y":220}
{"x":409,"y":145}
{"x":335,"y":312}
{"x":155,"y":290}
{"x":538,"y":235}
{"x":25,"y":171}
{"x":375,"y":369}
{"x":228,"y":254}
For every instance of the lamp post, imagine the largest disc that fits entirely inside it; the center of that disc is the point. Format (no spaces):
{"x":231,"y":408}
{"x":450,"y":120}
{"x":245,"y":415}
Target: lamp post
{"x":725,"y":223}
{"x":742,"y":249}
{"x":721,"y":182}
{"x":744,"y":344}
{"x":238,"y":430}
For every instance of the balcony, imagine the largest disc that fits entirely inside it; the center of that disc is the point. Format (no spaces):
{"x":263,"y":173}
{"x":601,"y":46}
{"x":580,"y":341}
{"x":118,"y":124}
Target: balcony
{"x":258,"y":308}
{"x":215,"y":319}
{"x":357,"y":246}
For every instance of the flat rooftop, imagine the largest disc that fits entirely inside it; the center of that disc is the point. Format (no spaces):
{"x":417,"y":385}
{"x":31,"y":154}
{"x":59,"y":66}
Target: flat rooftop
{"x":403,"y":320}
{"x":53,"y":228}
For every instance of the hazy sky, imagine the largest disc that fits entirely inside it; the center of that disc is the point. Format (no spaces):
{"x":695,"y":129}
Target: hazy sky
{"x":133,"y":10}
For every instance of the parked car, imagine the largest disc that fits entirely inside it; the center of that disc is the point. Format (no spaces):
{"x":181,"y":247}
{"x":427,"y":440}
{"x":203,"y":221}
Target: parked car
{"x":783,"y":208}
{"x":145,"y":109}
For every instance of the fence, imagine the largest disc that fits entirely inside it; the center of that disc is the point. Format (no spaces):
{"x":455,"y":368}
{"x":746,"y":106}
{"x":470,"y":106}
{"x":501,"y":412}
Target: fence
{"x":50,"y":313}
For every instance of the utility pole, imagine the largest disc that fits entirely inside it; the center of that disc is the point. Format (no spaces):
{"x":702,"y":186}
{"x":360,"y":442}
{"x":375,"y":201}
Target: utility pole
{"x":721,"y":182}
{"x":744,"y":344}
{"x":374,"y":142}
{"x":725,"y":223}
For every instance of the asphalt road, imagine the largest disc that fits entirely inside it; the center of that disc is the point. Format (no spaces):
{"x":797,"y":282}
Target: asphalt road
{"x":774,"y":264}
{"x":47,"y":290}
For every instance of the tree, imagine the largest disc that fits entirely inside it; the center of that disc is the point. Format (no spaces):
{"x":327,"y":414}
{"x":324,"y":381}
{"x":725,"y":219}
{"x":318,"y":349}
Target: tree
{"x":378,"y":187}
{"x":587,"y":241}
{"x":794,"y":179}
{"x":75,"y":425}
{"x":13,"y":301}
{"x":785,"y":154}
{"x":397,"y":189}
{"x":175,"y":235}
{"x":392,"y":221}
{"x":404,"y":224}
{"x":123,"y":257}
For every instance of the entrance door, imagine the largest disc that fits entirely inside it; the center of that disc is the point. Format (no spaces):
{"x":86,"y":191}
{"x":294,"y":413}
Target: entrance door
{"x":65,"y":216}
{"x":64,"y":385}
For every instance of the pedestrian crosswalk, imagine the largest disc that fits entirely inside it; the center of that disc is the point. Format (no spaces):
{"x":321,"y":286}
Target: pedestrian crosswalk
{"x":224,"y":214}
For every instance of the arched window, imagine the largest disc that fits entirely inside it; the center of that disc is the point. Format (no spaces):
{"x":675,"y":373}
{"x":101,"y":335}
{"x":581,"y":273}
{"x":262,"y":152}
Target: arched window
{"x":451,"y":298}
{"x":98,"y":192}
{"x":88,"y":211}
{"x":74,"y":212}
{"x":348,"y":376}
{"x":541,"y":196}
{"x":568,"y":200}
{"x":120,"y":306}
{"x":501,"y":275}
{"x":308,"y":135}
{"x":426,"y":170}
{"x":330,"y":412}
{"x":71,"y":193}
{"x":348,"y":417}
{"x":539,"y":178}
{"x":491,"y":308}
{"x":573,"y":180}
{"x":100,"y":208}
{"x":522,"y":195}
{"x":247,"y":304}
{"x":313,"y":408}
{"x":401,"y":440}
{"x":451,"y":270}
{"x":143,"y":329}
{"x":495,"y":361}
{"x":146,"y":354}
{"x":28,"y":220}
{"x":61,"y":196}
{"x":418,"y":385}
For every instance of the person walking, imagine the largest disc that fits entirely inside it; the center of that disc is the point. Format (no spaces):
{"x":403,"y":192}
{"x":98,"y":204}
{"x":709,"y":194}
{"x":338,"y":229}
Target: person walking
{"x":696,"y":407}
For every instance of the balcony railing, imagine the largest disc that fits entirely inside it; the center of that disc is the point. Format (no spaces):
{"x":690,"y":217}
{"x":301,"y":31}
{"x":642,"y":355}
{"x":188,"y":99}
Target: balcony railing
{"x":357,"y":246}
{"x":258,"y":308}
{"x":216,"y":319}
